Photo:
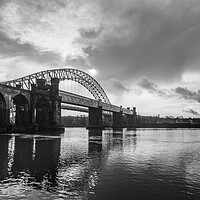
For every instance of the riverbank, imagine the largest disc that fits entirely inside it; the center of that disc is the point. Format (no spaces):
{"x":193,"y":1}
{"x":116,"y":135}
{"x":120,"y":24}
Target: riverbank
{"x":167,"y":125}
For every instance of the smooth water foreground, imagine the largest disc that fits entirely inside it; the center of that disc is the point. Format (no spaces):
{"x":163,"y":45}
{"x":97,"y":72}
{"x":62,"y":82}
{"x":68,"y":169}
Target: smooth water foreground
{"x":143,"y":164}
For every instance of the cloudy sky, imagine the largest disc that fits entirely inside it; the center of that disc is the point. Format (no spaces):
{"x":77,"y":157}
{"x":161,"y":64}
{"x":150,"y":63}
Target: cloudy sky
{"x":145,"y":53}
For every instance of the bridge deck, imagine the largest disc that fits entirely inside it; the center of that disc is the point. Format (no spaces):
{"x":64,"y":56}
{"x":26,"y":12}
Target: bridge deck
{"x":79,"y":100}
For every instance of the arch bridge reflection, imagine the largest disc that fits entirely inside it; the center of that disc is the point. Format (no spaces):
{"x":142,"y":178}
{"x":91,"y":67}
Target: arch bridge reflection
{"x":59,"y":163}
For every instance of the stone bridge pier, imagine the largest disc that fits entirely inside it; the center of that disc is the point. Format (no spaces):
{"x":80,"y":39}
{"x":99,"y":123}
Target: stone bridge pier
{"x":46,"y":105}
{"x":95,"y":118}
{"x":119,"y":119}
{"x":14,"y":108}
{"x":3,"y":113}
{"x":30,"y":111}
{"x":131,"y":119}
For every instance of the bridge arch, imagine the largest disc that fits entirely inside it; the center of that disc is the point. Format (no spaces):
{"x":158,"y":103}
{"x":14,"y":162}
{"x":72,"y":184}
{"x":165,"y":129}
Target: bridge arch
{"x":2,"y":111}
{"x":21,"y":111}
{"x":76,"y":75}
{"x":43,"y":113}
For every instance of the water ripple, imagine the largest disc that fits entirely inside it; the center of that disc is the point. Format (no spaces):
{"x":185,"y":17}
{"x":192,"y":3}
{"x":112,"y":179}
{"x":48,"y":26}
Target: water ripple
{"x":144,"y":164}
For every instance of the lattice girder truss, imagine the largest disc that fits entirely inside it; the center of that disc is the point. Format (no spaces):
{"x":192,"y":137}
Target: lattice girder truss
{"x":63,"y":74}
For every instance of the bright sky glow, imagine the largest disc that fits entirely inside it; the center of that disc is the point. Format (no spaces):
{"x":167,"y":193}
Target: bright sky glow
{"x":92,"y":72}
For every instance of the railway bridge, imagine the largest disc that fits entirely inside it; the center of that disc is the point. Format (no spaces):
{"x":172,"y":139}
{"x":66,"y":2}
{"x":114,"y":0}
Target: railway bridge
{"x":34,"y":102}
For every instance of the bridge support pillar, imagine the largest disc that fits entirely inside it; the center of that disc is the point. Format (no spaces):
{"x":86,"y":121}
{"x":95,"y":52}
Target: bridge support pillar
{"x":131,"y":119}
{"x":95,"y":118}
{"x":4,"y":119}
{"x":118,"y":120}
{"x":55,"y":120}
{"x":46,"y":106}
{"x":33,"y":106}
{"x":107,"y":120}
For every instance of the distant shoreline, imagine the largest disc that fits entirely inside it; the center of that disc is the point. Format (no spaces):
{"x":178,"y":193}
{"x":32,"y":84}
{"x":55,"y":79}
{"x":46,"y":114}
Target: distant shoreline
{"x":164,"y":125}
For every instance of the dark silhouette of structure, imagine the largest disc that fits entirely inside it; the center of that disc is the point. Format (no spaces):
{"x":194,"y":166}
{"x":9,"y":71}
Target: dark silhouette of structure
{"x":33,"y":103}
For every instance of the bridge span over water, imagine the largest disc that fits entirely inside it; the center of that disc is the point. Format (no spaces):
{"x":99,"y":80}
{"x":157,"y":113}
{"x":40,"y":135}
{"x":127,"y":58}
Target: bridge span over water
{"x":34,"y":102}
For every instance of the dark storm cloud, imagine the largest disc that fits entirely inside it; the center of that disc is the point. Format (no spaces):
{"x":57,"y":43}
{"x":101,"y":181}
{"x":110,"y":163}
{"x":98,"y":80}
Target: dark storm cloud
{"x":115,"y":86}
{"x":125,"y":40}
{"x":12,"y":48}
{"x":179,"y":92}
{"x":187,"y":94}
{"x":191,"y":111}
{"x":119,"y":86}
{"x":9,"y":47}
{"x":150,"y":87}
{"x":156,"y":39}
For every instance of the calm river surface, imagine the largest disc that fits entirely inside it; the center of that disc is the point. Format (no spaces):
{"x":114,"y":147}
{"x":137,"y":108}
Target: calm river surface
{"x":143,"y":164}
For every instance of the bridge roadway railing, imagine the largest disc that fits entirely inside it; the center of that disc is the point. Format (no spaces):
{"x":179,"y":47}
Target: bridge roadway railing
{"x":79,"y":100}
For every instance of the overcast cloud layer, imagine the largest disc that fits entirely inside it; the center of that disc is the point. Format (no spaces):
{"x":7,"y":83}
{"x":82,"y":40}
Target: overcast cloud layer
{"x":122,"y":40}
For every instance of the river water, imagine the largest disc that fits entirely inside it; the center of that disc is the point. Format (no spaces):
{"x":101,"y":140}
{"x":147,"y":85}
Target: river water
{"x":136,"y":164}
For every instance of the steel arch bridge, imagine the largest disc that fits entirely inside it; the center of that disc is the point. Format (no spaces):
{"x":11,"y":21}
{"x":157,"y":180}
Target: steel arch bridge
{"x":63,"y":74}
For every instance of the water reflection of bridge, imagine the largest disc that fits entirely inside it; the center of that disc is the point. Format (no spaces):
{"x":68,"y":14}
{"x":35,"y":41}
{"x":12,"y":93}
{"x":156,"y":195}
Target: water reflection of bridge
{"x":42,"y":163}
{"x":34,"y":102}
